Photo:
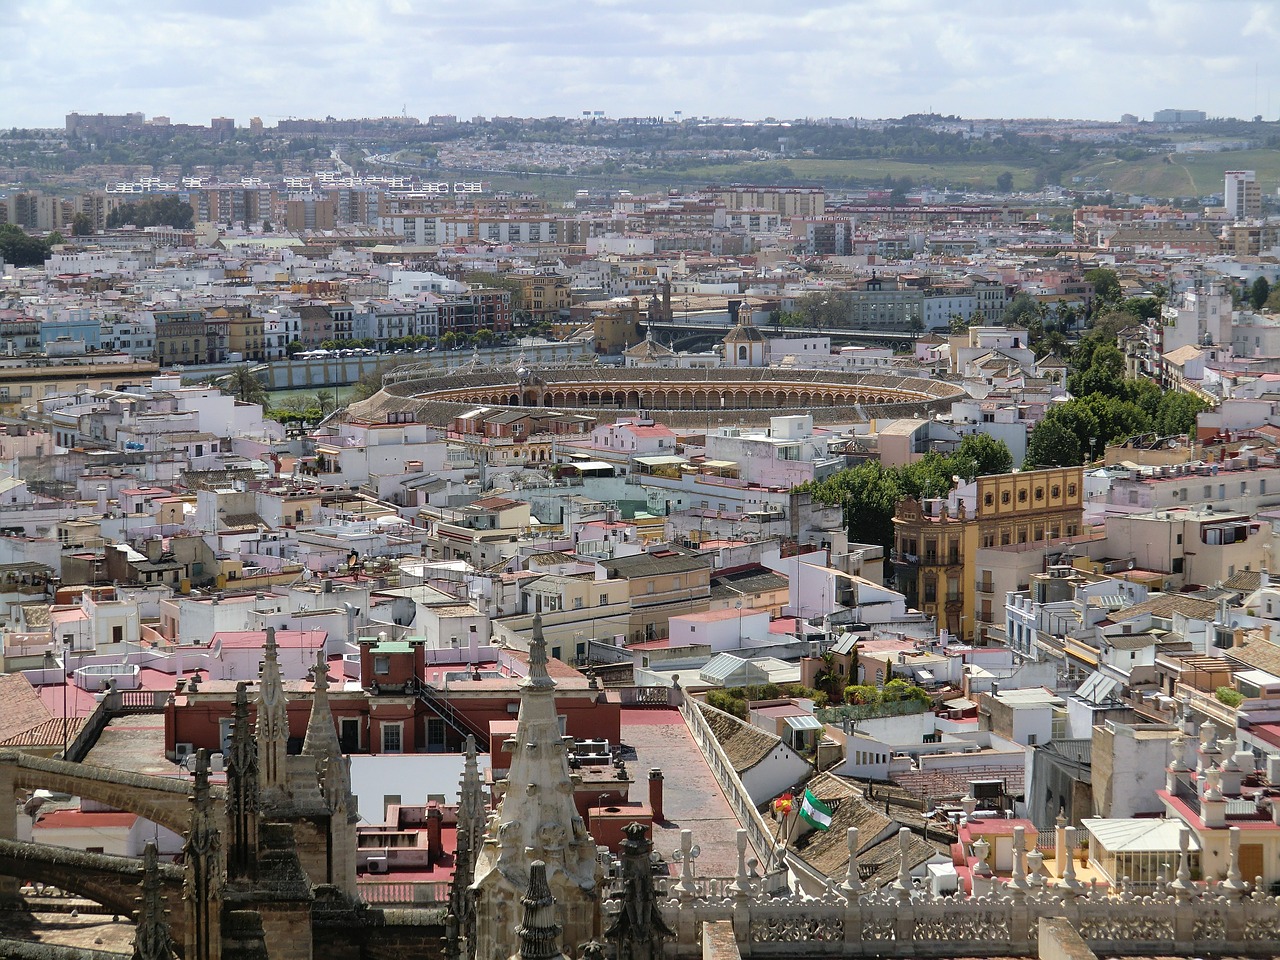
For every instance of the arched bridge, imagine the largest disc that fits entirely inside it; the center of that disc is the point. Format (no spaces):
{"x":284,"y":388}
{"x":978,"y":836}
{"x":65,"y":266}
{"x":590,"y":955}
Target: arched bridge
{"x":161,"y":800}
{"x":114,"y":882}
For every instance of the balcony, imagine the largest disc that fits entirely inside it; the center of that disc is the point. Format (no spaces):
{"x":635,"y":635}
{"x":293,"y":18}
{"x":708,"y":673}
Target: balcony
{"x":984,"y":586}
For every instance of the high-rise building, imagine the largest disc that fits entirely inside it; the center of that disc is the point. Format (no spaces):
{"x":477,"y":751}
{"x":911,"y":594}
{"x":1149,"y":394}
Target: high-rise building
{"x":1178,"y":116}
{"x":1241,"y":194}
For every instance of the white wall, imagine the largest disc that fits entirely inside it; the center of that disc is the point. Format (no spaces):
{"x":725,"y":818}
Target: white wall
{"x":410,"y":776}
{"x":779,"y":771}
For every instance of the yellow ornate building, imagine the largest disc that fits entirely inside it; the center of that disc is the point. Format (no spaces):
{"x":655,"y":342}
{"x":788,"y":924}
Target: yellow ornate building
{"x":935,"y":541}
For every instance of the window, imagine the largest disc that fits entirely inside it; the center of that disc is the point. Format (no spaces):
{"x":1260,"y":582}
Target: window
{"x":1056,"y":491}
{"x":1004,"y":497}
{"x":1022,"y":496}
{"x":1039,"y":493}
{"x":117,"y":634}
{"x":577,"y":603}
{"x":1071,"y":489}
{"x":349,"y":734}
{"x":604,"y":599}
{"x":989,"y":500}
{"x":393,"y":737}
{"x":381,"y":665}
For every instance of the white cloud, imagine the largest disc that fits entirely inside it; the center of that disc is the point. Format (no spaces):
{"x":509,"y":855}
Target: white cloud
{"x":749,"y":58}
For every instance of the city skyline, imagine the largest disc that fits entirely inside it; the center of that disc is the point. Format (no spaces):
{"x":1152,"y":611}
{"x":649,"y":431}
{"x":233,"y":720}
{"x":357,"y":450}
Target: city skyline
{"x":278,"y":60}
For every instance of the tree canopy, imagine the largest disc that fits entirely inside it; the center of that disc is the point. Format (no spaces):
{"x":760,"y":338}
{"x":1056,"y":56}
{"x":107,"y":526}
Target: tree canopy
{"x":242,"y":384}
{"x":1106,"y":407}
{"x":869,"y":492}
{"x":1259,"y":292}
{"x":155,"y":212}
{"x":19,"y":248}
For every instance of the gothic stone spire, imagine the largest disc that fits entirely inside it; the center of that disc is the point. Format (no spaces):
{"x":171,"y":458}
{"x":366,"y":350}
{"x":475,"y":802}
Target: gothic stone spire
{"x":639,"y":929}
{"x":273,"y":719}
{"x":151,"y":941}
{"x":322,"y":737}
{"x":203,"y":879}
{"x":242,"y":793}
{"x":536,"y":820}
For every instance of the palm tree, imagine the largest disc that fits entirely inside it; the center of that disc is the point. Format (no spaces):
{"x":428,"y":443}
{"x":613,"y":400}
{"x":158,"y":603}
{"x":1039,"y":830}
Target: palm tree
{"x":242,"y":384}
{"x":326,"y":402}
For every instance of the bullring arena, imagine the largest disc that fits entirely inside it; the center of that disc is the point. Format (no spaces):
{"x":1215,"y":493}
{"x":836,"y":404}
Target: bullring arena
{"x":677,"y":397}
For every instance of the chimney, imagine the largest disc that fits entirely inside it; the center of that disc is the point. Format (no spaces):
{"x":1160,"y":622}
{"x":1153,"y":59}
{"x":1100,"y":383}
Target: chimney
{"x":435,"y":818}
{"x":655,"y":794}
{"x":102,"y":498}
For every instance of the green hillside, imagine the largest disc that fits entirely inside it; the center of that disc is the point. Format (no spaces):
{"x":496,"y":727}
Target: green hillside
{"x":1182,"y":174}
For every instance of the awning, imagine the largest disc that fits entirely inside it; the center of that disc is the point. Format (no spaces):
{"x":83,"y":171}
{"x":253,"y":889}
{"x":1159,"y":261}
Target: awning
{"x":809,"y":722}
{"x":591,"y":465}
{"x":662,"y":461}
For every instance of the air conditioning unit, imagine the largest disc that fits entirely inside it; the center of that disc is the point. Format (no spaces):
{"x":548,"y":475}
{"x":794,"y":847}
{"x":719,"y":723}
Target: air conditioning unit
{"x":378,"y":865}
{"x":183,"y":750}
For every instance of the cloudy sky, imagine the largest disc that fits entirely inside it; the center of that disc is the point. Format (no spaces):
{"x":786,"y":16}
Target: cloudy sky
{"x":750,"y":58}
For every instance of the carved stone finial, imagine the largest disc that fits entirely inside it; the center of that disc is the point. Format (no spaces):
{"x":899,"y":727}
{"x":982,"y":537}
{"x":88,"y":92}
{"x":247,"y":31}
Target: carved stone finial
{"x":538,"y":678}
{"x":1235,"y":886}
{"x":1069,"y":884}
{"x":151,"y":941}
{"x":539,"y":933}
{"x":1018,"y":880}
{"x":639,"y":929}
{"x":1183,"y":888}
{"x":852,"y":885}
{"x":687,"y":853}
{"x":742,"y":887}
{"x":904,"y":886}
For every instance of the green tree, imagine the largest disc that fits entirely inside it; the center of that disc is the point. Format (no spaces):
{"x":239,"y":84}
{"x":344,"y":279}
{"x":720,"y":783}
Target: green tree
{"x":1104,"y":373}
{"x":82,"y":225}
{"x":823,"y":309}
{"x":1177,"y":412}
{"x":168,"y":211}
{"x":294,"y":347}
{"x":984,"y":453}
{"x":1004,"y":182}
{"x":242,"y":384}
{"x":1106,"y":284}
{"x":20,"y":249}
{"x":326,"y":401}
{"x":1052,"y":445}
{"x":1259,"y":292}
{"x":1021,"y":310}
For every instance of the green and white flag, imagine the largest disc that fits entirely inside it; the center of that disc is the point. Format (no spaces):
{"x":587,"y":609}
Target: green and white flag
{"x":814,"y":812}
